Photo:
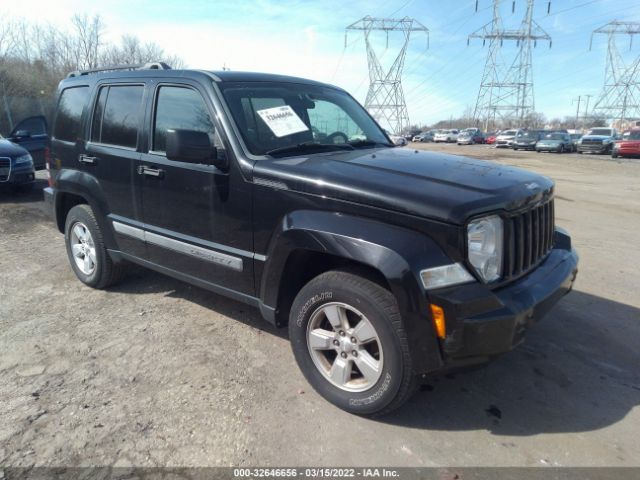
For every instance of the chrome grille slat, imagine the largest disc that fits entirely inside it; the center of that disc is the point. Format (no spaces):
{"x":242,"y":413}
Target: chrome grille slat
{"x":529,"y":238}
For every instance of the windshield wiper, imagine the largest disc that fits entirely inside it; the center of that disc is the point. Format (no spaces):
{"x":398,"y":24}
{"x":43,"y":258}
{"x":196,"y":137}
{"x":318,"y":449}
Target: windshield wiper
{"x":369,"y":143}
{"x":306,"y":146}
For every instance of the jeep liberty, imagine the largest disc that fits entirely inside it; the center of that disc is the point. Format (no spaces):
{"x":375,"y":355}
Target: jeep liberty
{"x":386,"y":264}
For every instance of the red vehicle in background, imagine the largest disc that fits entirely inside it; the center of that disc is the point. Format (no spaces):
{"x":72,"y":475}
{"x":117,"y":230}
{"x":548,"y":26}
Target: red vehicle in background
{"x":629,"y":146}
{"x":490,"y":139}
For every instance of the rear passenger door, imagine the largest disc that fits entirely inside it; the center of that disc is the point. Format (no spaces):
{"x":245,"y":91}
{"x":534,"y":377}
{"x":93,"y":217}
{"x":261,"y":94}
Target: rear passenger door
{"x":111,"y":155}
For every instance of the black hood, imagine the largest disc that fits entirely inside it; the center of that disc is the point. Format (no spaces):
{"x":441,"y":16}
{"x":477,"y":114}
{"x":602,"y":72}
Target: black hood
{"x":9,"y":149}
{"x":427,"y":184}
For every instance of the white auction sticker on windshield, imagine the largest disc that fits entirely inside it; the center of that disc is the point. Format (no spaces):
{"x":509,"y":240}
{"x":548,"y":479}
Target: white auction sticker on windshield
{"x":282,"y":120}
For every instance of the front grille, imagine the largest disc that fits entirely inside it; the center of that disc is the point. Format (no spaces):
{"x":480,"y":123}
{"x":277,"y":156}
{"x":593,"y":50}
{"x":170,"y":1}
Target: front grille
{"x":591,"y":141}
{"x":5,"y":169}
{"x":528,"y":239}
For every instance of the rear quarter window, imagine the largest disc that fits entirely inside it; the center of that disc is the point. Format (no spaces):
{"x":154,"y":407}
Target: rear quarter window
{"x":72,"y":102}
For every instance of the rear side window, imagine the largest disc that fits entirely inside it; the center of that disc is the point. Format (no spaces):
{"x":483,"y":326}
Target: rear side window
{"x":70,"y":106}
{"x":180,"y":108}
{"x":116,"y":117}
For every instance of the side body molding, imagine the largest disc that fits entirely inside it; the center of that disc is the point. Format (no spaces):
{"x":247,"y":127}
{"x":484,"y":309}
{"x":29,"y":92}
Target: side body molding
{"x":397,"y":253}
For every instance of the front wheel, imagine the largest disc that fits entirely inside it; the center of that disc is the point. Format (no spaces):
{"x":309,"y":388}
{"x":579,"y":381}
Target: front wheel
{"x":348,"y":339}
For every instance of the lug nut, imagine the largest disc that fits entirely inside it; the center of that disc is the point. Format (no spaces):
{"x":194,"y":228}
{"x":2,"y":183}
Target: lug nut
{"x":343,"y":354}
{"x":354,"y":353}
{"x":353,"y":340}
{"x":336,"y":343}
{"x":341,"y":332}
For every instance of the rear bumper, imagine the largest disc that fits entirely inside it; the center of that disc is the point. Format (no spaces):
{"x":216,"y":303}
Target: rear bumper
{"x":482,"y":323}
{"x":49,"y":202}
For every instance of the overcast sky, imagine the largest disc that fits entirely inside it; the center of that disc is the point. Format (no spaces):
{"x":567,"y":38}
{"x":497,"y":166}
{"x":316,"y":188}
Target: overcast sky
{"x":306,"y":38}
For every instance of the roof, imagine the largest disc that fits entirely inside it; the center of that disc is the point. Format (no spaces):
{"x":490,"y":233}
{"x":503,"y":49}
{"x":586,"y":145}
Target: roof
{"x":218,"y":76}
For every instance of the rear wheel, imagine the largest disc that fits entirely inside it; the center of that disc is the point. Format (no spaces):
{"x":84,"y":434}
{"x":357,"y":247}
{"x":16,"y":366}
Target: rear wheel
{"x":348,"y":339}
{"x":87,"y":253}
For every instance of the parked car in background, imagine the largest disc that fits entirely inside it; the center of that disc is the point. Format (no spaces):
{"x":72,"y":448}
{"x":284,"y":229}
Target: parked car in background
{"x":31,"y":134}
{"x":410,"y":134}
{"x":575,"y":137}
{"x":398,"y":140}
{"x":505,"y":139}
{"x":424,"y":137}
{"x":555,"y":142}
{"x":598,"y":140}
{"x":16,"y":167}
{"x":474,"y":133}
{"x":447,"y":136}
{"x":629,"y":146}
{"x":490,"y":138}
{"x":526,"y":139}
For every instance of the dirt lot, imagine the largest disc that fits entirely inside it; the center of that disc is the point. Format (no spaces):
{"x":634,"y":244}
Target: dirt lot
{"x":156,"y":372}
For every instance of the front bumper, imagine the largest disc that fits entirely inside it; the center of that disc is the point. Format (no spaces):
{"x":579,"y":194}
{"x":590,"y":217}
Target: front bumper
{"x":482,"y":323}
{"x":20,"y":175}
{"x":548,"y":148}
{"x":594,"y":148}
{"x":524,"y":146}
{"x":49,"y":202}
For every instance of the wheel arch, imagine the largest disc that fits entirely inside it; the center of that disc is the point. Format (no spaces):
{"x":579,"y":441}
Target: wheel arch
{"x":308,"y":243}
{"x":74,"y":187}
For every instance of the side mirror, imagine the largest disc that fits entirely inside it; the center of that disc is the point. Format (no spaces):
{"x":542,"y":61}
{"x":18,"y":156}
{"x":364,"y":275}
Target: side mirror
{"x":22,"y":134}
{"x":194,"y":147}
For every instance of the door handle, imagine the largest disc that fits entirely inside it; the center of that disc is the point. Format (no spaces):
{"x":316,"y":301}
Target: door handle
{"x":152,"y":172}
{"x":87,"y":159}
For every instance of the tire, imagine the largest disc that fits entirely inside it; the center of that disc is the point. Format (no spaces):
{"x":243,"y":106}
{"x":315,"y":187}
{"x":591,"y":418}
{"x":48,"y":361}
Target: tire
{"x":100,"y":271}
{"x":360,"y":300}
{"x":614,"y":154}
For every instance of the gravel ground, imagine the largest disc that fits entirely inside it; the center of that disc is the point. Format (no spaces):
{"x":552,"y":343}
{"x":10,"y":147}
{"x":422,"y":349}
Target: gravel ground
{"x":156,"y":372}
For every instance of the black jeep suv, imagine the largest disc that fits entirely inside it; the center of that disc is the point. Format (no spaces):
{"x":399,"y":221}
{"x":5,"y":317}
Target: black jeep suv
{"x":386,"y":264}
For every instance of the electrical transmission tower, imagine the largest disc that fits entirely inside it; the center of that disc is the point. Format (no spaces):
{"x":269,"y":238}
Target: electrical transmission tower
{"x":506,"y":94}
{"x":385,"y":98}
{"x":620,"y":96}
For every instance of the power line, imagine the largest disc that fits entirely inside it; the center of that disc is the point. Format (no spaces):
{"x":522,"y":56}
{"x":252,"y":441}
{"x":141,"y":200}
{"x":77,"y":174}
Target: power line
{"x":385,"y":98}
{"x":507,"y":94}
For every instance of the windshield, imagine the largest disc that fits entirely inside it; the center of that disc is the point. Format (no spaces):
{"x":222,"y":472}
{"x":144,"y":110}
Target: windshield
{"x":601,"y":131}
{"x":527,"y":135}
{"x":281,"y":116}
{"x":555,"y":136}
{"x":634,"y":135}
{"x":509,"y":133}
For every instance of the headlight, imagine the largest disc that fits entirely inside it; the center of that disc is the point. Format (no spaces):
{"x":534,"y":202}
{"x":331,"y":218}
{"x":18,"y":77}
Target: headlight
{"x":444,"y":276}
{"x":23,"y":159}
{"x":484,"y":243}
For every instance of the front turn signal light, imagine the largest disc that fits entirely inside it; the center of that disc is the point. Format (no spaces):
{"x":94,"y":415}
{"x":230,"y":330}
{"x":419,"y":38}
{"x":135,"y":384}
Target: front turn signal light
{"x":437,"y":315}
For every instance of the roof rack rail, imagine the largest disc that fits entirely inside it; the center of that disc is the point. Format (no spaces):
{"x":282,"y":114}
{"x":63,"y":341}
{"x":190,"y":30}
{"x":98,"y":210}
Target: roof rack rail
{"x":138,"y":66}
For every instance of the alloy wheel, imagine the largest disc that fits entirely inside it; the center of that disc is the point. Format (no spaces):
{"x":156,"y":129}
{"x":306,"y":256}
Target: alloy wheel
{"x":345,"y":347}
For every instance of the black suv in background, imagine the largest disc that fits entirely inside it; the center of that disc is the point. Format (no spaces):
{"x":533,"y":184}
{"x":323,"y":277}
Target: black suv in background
{"x":386,"y":264}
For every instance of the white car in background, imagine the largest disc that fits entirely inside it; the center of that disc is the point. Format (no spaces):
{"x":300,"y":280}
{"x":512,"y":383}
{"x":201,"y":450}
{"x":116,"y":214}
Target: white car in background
{"x":447,"y":136}
{"x":398,"y":140}
{"x":506,"y":138}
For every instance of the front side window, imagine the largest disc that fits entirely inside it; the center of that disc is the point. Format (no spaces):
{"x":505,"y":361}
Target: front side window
{"x":281,"y":118}
{"x":180,"y":108}
{"x":116,"y":117}
{"x":70,"y":106}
